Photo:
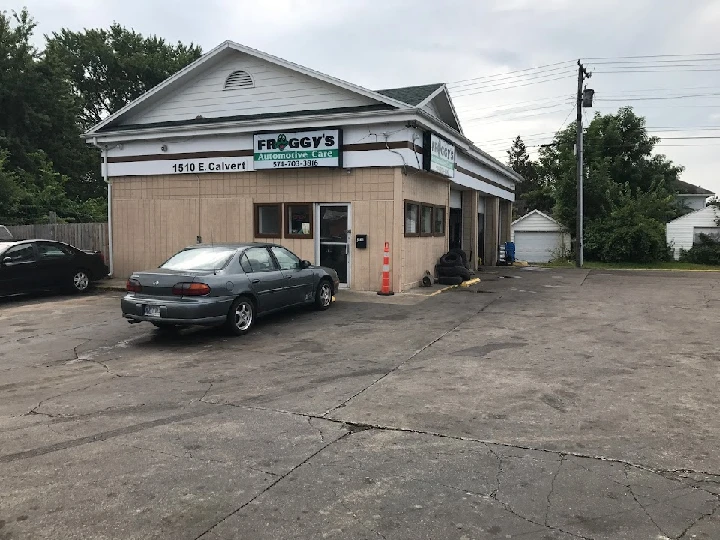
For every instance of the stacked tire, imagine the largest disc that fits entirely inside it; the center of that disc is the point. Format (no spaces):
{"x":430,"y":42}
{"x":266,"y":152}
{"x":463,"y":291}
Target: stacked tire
{"x":452,"y":268}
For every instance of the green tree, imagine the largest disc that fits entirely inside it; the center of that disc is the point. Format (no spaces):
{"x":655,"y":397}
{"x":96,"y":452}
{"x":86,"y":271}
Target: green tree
{"x":110,"y":68}
{"x":41,"y":152}
{"x":533,"y":192}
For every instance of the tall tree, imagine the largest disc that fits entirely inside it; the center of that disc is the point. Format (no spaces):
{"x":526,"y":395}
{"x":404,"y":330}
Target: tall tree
{"x":533,"y":193}
{"x":41,"y":152}
{"x":110,"y":68}
{"x":624,"y":183}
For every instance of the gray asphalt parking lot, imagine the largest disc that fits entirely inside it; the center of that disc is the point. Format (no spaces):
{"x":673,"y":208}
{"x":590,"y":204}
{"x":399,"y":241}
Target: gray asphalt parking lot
{"x":548,"y":404}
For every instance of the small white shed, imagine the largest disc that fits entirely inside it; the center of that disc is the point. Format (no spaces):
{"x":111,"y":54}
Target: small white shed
{"x":539,"y":238}
{"x":682,"y":232}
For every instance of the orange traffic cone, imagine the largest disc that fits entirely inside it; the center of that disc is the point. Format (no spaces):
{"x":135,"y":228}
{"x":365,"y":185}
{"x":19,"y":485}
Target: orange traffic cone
{"x":385,"y":291}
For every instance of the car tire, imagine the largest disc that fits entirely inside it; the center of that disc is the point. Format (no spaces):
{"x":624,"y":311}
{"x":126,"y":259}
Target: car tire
{"x":80,"y":281}
{"x":448,"y":280}
{"x":455,"y":271}
{"x":451,"y":259}
{"x":323,"y":295}
{"x":241,"y":317}
{"x":462,"y":254}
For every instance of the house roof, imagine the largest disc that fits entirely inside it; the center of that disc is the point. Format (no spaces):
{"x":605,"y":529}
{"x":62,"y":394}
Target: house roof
{"x":176,"y":80}
{"x":412,"y":95}
{"x":684,"y":188}
{"x":539,"y":213}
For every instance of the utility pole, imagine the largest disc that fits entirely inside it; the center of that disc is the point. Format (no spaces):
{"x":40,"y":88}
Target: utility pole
{"x":579,"y":242}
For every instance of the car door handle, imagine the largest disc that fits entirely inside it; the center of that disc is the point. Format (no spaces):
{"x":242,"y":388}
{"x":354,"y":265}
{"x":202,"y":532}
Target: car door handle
{"x":255,"y":281}
{"x":288,"y":277}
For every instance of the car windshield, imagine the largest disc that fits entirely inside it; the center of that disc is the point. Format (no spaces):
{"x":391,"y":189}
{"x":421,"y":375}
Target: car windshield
{"x":205,"y":258}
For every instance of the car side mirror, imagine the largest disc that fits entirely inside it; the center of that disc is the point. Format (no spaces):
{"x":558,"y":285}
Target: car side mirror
{"x":6,"y":260}
{"x":305,"y":264}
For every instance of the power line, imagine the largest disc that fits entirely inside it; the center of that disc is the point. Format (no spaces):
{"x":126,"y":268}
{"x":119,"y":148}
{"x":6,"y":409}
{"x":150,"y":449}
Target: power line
{"x":649,"y":56}
{"x":509,"y":78}
{"x":512,"y":87}
{"x":539,"y":77}
{"x":511,"y":72}
{"x":655,"y":71}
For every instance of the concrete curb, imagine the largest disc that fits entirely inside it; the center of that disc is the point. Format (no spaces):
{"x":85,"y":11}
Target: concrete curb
{"x":467,"y":283}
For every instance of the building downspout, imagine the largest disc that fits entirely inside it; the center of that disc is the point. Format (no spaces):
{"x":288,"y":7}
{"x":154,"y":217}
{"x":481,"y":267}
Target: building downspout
{"x":104,"y":165}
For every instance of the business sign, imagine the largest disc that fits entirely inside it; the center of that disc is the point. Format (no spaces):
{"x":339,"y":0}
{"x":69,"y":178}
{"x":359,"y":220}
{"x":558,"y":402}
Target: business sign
{"x":438,"y":155}
{"x":295,"y":149}
{"x":201,"y":165}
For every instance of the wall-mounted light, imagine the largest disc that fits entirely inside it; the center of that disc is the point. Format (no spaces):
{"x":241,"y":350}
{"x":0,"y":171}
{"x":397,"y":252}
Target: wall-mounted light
{"x":164,"y":148}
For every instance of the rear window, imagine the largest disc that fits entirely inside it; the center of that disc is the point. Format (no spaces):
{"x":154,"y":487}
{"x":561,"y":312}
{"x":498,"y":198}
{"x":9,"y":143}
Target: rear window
{"x":209,"y":258}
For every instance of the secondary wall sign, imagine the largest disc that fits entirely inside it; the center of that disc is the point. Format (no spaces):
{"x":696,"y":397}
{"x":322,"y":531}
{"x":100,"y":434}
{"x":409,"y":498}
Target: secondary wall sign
{"x":295,"y":149}
{"x":438,"y":155}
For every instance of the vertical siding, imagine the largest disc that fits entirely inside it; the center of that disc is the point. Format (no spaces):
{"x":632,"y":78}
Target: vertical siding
{"x":276,"y":90}
{"x":681,"y":232}
{"x":420,"y":253}
{"x":153,"y":217}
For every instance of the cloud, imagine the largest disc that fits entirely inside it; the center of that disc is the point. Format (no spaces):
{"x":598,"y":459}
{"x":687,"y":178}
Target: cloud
{"x":398,"y":42}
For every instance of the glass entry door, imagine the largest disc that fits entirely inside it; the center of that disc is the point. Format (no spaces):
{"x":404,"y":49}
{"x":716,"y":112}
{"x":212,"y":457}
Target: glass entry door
{"x":332,"y":247}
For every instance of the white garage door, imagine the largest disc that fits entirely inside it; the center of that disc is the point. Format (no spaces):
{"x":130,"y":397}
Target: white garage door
{"x":537,"y":246}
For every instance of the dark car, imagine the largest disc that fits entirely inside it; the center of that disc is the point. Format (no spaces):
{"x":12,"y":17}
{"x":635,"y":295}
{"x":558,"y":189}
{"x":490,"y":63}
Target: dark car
{"x":36,"y":265}
{"x":226,"y":284}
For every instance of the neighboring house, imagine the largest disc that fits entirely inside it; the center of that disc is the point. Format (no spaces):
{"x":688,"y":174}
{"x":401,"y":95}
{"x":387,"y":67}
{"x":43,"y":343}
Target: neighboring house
{"x":539,"y":238}
{"x":683,"y":231}
{"x":691,"y":196}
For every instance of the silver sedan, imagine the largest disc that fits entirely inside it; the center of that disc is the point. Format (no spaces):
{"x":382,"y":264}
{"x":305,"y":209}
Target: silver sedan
{"x":226,"y":284}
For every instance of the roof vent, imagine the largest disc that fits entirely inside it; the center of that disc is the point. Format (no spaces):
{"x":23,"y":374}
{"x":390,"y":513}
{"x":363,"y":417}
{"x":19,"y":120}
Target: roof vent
{"x":239,"y":79}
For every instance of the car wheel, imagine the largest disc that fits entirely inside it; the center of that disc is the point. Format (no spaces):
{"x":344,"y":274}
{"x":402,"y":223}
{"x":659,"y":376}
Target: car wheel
{"x":241,"y":316}
{"x":323,"y":296}
{"x":80,"y":281}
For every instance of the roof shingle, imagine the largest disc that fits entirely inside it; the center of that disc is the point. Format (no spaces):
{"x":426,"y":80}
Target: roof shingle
{"x":412,"y":95}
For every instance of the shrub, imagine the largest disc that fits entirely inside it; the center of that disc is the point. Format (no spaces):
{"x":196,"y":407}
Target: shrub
{"x":705,"y":251}
{"x":626,"y":238}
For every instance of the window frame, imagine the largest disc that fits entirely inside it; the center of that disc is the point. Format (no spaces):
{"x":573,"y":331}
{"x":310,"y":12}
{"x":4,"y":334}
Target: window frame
{"x":277,"y":260}
{"x":256,"y":212}
{"x":445,"y":214}
{"x":432,"y":220}
{"x":271,"y":257}
{"x":287,"y":221}
{"x":406,"y":203}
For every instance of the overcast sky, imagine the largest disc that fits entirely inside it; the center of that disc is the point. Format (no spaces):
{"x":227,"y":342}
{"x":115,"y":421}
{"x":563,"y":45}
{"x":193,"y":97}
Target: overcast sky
{"x":389,"y":43}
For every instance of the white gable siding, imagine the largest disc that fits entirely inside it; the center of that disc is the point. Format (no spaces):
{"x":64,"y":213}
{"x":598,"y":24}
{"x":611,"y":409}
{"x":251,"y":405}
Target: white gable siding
{"x":693,"y":202}
{"x":276,"y":90}
{"x":536,"y":222}
{"x":681,"y":231}
{"x":431,"y":108}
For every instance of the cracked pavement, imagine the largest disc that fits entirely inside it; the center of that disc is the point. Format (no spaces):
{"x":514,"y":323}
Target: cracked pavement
{"x":558,"y":404}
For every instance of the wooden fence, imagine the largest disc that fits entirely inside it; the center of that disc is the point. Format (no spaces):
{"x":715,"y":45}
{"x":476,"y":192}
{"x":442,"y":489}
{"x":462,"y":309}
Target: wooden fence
{"x":81,"y":235}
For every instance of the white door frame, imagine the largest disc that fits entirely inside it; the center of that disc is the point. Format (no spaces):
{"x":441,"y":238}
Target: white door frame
{"x":349,"y":237}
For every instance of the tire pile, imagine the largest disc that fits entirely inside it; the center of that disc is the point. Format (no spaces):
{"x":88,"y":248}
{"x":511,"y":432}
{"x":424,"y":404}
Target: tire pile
{"x":453,"y":268}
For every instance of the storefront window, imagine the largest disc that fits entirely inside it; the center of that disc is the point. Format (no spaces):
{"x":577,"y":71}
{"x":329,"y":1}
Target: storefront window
{"x":426,"y":221}
{"x":412,"y":209}
{"x":439,"y":221}
{"x":299,"y":220}
{"x":268,"y":220}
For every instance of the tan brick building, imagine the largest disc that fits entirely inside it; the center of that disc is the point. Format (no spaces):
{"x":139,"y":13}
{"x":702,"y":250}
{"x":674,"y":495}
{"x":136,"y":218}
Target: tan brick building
{"x":243,"y":146}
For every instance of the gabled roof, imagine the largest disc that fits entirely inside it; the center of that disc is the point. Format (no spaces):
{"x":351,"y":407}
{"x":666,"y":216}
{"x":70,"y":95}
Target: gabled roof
{"x":538,"y":212}
{"x":182,"y":76}
{"x":684,"y":188}
{"x":412,"y":95}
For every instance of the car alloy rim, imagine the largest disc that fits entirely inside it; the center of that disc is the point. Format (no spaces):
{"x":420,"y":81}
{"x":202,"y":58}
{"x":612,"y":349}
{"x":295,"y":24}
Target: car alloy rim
{"x":325,"y":295}
{"x":243,"y":316}
{"x":81,"y":281}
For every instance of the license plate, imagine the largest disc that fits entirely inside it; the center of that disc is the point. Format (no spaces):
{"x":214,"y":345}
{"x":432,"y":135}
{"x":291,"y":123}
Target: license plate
{"x":152,"y":311}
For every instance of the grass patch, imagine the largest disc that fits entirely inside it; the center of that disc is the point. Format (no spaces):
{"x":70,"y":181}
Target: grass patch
{"x":672,"y":265}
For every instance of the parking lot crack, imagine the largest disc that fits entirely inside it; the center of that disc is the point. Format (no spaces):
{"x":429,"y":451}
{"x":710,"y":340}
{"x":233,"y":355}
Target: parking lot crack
{"x":641,"y":505}
{"x":552,"y":488}
{"x":413,"y":355}
{"x":684,"y":534}
{"x":309,"y":421}
{"x":272,"y":484}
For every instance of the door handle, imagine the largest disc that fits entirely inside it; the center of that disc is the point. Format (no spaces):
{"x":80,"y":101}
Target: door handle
{"x":288,"y":277}
{"x":255,"y":281}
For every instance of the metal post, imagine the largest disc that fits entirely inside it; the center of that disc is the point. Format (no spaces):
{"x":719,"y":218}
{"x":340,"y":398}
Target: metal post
{"x":579,"y":243}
